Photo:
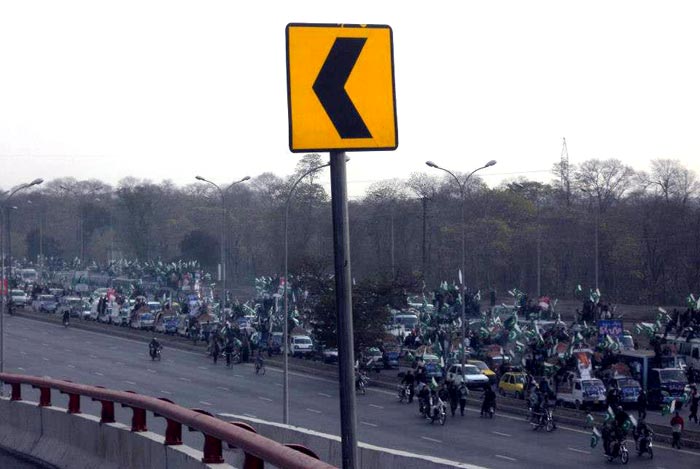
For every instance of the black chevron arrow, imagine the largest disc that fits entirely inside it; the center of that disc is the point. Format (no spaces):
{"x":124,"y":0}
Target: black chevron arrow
{"x":330,"y":87}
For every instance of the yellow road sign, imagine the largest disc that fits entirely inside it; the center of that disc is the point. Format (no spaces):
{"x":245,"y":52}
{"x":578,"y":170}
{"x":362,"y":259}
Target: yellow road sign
{"x":340,"y":88}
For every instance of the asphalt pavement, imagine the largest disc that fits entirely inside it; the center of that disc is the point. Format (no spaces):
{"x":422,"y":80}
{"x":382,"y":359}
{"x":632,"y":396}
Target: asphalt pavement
{"x":190,"y":379}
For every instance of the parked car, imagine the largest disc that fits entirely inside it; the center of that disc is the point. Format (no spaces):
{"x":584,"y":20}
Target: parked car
{"x":512,"y":384}
{"x":143,"y":321}
{"x":330,"y":355}
{"x":433,"y":367}
{"x":45,"y":304}
{"x":472,"y":376}
{"x":18,"y":298}
{"x":72,"y":304}
{"x":390,"y":357}
{"x":371,"y":359}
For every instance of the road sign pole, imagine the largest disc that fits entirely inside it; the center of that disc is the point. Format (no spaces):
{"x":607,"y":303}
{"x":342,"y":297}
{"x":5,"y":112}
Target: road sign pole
{"x":343,"y":304}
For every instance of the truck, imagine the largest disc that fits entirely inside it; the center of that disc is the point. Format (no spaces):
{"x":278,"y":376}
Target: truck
{"x":581,"y":393}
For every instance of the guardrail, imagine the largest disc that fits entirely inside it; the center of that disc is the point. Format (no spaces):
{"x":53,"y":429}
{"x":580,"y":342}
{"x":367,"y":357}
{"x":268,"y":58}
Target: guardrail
{"x":257,"y":449}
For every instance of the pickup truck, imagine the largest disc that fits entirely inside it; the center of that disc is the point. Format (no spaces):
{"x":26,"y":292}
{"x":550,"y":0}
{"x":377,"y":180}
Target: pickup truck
{"x":582,"y":393}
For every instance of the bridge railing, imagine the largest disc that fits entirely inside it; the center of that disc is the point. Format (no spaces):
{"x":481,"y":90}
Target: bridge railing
{"x":257,"y":449}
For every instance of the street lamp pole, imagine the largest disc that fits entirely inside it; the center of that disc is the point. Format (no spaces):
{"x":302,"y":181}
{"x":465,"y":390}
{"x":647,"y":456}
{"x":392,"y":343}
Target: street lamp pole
{"x":285,"y":334}
{"x":462,"y":193}
{"x":596,"y":223}
{"x":222,"y":194}
{"x":3,"y":280}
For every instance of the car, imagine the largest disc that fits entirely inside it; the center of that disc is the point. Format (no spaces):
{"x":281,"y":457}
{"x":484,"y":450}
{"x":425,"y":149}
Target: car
{"x":372,"y":359}
{"x":155,"y":307}
{"x":72,"y":304}
{"x":474,"y":378}
{"x":433,"y":366}
{"x":629,"y":390}
{"x":163,"y":321}
{"x":664,"y":385}
{"x":330,"y":355}
{"x":483,"y":367}
{"x":513,"y":384}
{"x":300,"y":346}
{"x":18,"y":298}
{"x":143,"y":321}
{"x":390,"y":357}
{"x":582,"y":392}
{"x":45,"y":304}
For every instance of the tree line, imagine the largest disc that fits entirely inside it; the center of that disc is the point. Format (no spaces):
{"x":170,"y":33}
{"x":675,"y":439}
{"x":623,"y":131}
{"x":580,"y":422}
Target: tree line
{"x":647,"y":225}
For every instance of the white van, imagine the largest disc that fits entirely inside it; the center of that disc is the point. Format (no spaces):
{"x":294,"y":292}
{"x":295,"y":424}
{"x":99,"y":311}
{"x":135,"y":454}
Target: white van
{"x":300,"y":345}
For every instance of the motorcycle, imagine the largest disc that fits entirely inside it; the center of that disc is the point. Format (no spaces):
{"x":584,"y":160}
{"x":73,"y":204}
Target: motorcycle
{"x":438,"y":412}
{"x":543,"y":419}
{"x":361,"y":383}
{"x":155,"y":353}
{"x":404,"y":392}
{"x":645,"y":445}
{"x":619,"y":450}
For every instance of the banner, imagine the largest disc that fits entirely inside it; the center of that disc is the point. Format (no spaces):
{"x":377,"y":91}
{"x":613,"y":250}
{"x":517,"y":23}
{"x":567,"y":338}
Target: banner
{"x":612,"y":327}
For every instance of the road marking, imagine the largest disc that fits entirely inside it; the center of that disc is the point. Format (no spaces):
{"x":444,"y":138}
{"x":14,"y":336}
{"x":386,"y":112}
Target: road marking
{"x":206,"y":403}
{"x":45,"y":359}
{"x":166,"y":392}
{"x":150,"y":371}
{"x":99,"y":374}
{"x":69,"y":351}
{"x":369,"y":424}
{"x":185,"y":379}
{"x":314,"y":411}
{"x":223,"y":388}
{"x":502,"y":434}
{"x":578,"y":450}
{"x":376,"y":406}
{"x":23,"y":352}
{"x":44,"y":345}
{"x":324,"y":394}
{"x":93,"y":357}
{"x":130,"y":382}
{"x":279,"y":384}
{"x":20,"y":368}
{"x":431,"y":439}
{"x":120,"y":364}
{"x":247,"y":415}
{"x":265,"y":399}
{"x":71,"y":366}
{"x":507,"y":458}
{"x":203,"y":367}
{"x":238,"y":376}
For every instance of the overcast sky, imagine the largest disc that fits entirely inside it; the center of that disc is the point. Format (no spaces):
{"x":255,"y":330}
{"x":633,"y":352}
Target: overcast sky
{"x":170,"y":89}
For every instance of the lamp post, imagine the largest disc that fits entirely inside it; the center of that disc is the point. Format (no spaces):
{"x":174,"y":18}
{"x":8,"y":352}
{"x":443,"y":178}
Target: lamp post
{"x":3,"y":281}
{"x":596,"y":222}
{"x":285,"y":326}
{"x":81,"y":222}
{"x":462,"y":190}
{"x":222,"y":194}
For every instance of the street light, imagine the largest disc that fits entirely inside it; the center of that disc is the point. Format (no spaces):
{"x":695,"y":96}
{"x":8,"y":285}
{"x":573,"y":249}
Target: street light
{"x":3,"y":281}
{"x":462,"y":188}
{"x":81,"y":222}
{"x":222,"y":194}
{"x":285,"y":326}
{"x":596,"y":222}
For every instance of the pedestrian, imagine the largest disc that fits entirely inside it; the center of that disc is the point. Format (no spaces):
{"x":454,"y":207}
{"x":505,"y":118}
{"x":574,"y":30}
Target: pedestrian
{"x":694,"y":398}
{"x":677,"y":425}
{"x":463,"y":394}
{"x":454,"y":397}
{"x":642,"y":405}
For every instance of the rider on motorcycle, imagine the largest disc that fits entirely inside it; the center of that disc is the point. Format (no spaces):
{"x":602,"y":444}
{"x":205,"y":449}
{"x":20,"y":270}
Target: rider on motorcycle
{"x":409,"y":381}
{"x":489,"y":400}
{"x":154,"y":346}
{"x":614,"y":431}
{"x":423,"y":397}
{"x":641,"y":433}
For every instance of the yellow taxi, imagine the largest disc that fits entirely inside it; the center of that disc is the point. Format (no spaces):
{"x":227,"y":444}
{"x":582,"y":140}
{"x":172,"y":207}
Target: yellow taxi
{"x":512,"y":384}
{"x":484,"y":368}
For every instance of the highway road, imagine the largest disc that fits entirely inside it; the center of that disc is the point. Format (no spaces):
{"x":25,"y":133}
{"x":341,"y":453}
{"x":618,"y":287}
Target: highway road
{"x":190,"y":379}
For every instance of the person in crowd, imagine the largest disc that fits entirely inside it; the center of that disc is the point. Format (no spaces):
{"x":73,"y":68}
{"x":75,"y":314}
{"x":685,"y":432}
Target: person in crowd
{"x":463,"y":393}
{"x":694,"y":398}
{"x":452,"y":390}
{"x":677,"y":427}
{"x":409,"y":380}
{"x":489,"y":400}
{"x":642,"y":405}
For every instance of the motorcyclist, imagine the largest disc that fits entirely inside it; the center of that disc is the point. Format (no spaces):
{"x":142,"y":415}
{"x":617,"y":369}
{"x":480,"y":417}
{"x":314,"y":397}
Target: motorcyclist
{"x":423,"y":397}
{"x":154,"y":346}
{"x":489,"y":400}
{"x":409,"y":380}
{"x":640,"y":433}
{"x":536,"y":400}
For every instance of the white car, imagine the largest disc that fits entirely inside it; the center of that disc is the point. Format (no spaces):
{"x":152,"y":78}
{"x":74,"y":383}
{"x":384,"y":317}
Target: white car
{"x":300,"y":345}
{"x":472,"y":375}
{"x":18,"y":298}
